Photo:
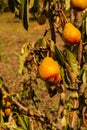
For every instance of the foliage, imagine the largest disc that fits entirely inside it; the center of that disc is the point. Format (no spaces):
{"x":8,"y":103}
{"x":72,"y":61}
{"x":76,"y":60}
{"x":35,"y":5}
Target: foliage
{"x":68,"y":107}
{"x":3,"y":6}
{"x":9,"y":116}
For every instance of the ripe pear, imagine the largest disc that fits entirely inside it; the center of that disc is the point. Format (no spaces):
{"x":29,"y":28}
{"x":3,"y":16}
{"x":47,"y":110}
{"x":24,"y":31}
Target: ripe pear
{"x":49,"y":71}
{"x":79,"y":4}
{"x":71,"y":34}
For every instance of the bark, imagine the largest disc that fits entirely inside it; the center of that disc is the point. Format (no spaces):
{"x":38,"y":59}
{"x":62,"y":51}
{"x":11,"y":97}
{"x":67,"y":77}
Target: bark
{"x":51,"y":23}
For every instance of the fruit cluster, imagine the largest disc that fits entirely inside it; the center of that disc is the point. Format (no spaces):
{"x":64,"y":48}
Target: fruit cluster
{"x":49,"y":69}
{"x":72,"y":34}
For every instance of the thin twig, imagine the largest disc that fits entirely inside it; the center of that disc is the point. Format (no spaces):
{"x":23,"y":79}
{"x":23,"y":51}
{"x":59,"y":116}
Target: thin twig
{"x":63,"y":14}
{"x":22,"y":107}
{"x":15,"y":101}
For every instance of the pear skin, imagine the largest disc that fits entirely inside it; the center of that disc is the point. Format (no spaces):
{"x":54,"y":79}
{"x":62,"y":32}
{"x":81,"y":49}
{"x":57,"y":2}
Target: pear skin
{"x":71,"y":34}
{"x":79,"y":4}
{"x":49,"y":71}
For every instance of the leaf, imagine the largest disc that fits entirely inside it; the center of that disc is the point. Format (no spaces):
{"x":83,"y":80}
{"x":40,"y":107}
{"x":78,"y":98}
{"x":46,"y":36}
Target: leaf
{"x":71,"y":59}
{"x":63,"y":121}
{"x":65,"y":78}
{"x":22,"y":57}
{"x":11,"y":121}
{"x":41,"y":43}
{"x":27,"y":121}
{"x":84,"y":16}
{"x":86,"y":26}
{"x":1,"y":82}
{"x":31,"y":3}
{"x":22,"y":122}
{"x":84,"y":73}
{"x":19,"y":128}
{"x":44,"y":3}
{"x":84,"y":77}
{"x":83,"y":29}
{"x":59,"y":56}
{"x":10,"y":124}
{"x":67,"y":3}
{"x":1,"y":117}
{"x":25,"y":12}
{"x":21,"y":63}
{"x":18,"y":2}
{"x":11,"y":4}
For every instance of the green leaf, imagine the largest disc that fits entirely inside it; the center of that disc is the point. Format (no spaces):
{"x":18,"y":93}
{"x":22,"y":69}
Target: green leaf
{"x":31,"y":3}
{"x":84,"y":16}
{"x":1,"y":117}
{"x":19,"y":128}
{"x":59,"y":56}
{"x":22,"y":57}
{"x":22,"y":122}
{"x":21,"y":63}
{"x":67,"y":3}
{"x":11,"y":122}
{"x":42,"y":42}
{"x":65,"y":77}
{"x":27,"y":121}
{"x":63,"y":121}
{"x":25,"y":12}
{"x":71,"y":59}
{"x":1,"y":82}
{"x":86,"y":26}
{"x":84,"y":73}
{"x":84,"y":77}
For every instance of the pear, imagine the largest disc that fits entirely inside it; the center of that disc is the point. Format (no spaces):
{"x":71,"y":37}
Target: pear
{"x":71,"y":34}
{"x":79,"y":4}
{"x":49,"y":71}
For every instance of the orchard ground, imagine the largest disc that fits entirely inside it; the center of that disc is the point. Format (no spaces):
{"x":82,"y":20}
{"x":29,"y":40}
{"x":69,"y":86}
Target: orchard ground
{"x":12,"y":37}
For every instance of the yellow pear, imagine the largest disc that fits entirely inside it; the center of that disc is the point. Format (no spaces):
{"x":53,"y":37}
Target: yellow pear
{"x":79,"y":4}
{"x":49,"y":71}
{"x":71,"y":34}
